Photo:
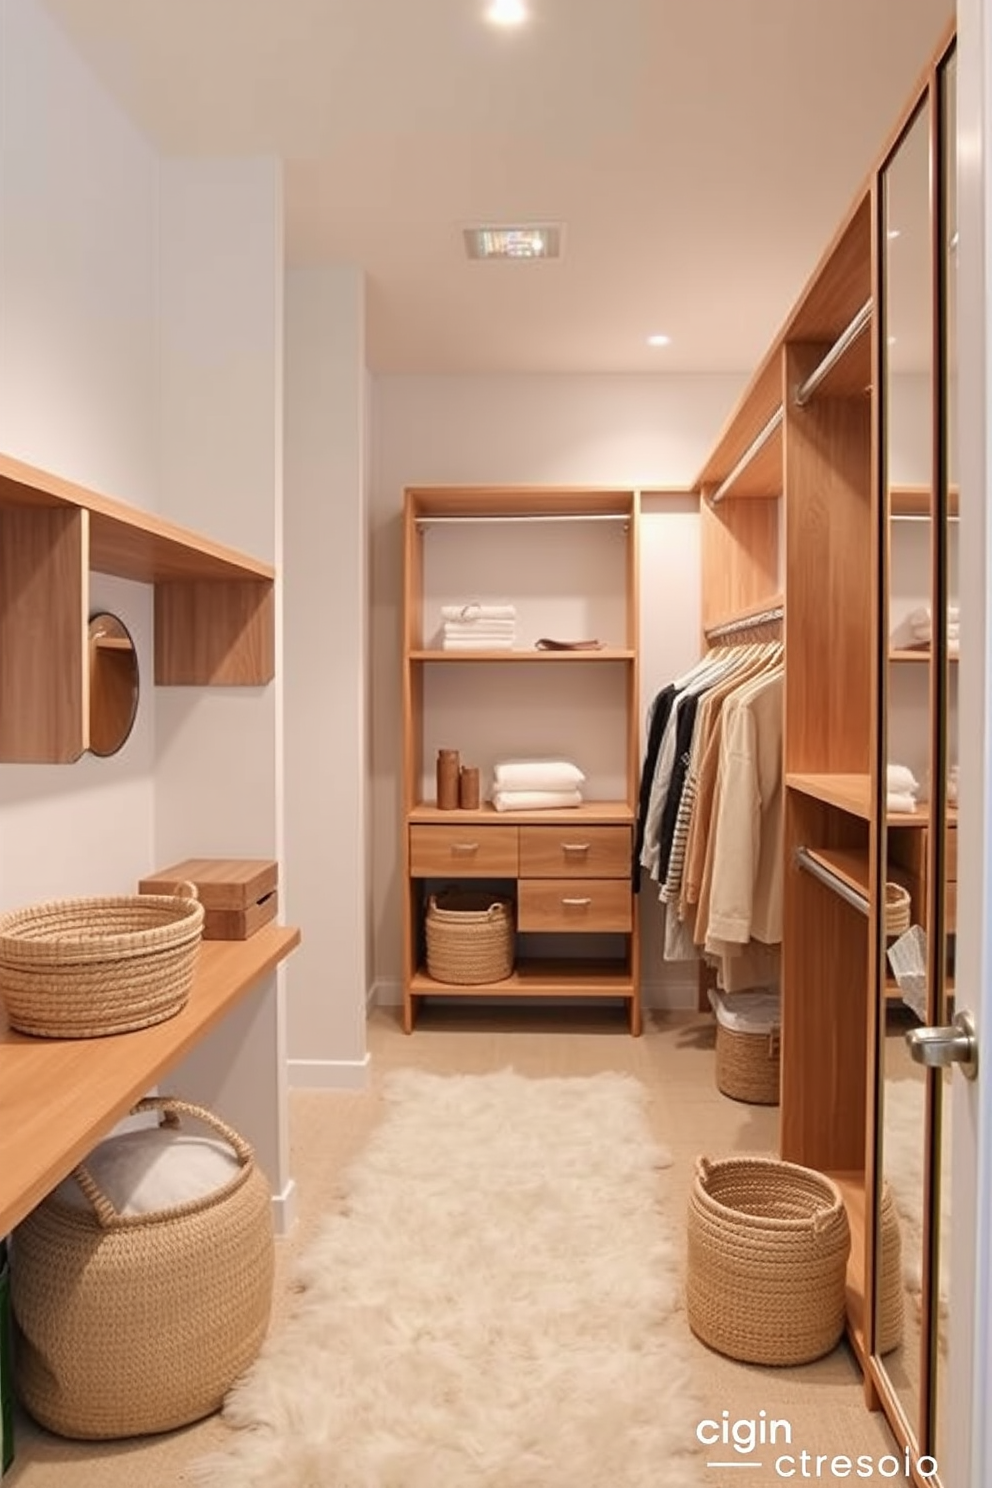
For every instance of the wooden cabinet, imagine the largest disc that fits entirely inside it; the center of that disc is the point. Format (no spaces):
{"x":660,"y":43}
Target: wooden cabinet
{"x":214,"y":607}
{"x":567,"y":561}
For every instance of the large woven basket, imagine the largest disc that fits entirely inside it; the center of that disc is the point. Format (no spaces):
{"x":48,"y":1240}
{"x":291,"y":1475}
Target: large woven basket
{"x":470,"y":938}
{"x":82,"y":968}
{"x":747,"y":1046}
{"x":890,"y":1297}
{"x":130,"y":1324}
{"x":768,"y":1243}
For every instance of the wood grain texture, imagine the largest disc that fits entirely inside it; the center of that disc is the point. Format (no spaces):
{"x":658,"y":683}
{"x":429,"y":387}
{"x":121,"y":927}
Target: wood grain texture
{"x":58,"y":1097}
{"x":740,"y":557}
{"x":216,"y":633}
{"x":465,"y":850}
{"x":572,"y":905}
{"x":44,"y":671}
{"x":221,"y":883}
{"x":559,"y":852}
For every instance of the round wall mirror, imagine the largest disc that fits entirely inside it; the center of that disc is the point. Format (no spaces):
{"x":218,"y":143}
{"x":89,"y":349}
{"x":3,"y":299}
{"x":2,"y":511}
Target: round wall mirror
{"x":113,"y":684}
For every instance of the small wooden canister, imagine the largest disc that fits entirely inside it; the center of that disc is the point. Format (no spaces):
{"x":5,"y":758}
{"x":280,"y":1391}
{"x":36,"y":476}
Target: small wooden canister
{"x":468,"y":788}
{"x":448,"y":766}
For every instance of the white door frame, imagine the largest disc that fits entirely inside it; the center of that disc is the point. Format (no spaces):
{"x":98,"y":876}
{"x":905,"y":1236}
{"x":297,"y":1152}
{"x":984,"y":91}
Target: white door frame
{"x":967,"y":1444}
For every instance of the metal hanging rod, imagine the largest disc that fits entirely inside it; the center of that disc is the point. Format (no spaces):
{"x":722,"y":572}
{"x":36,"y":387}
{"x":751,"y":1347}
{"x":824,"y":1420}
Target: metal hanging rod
{"x":753,"y":449}
{"x":746,"y":622}
{"x":806,"y":861}
{"x":806,"y":390}
{"x":428,"y":520}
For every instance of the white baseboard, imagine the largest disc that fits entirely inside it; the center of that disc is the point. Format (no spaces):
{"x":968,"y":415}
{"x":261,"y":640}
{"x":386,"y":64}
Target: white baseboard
{"x":387,"y":992}
{"x":284,"y":1209}
{"x":328,"y":1074}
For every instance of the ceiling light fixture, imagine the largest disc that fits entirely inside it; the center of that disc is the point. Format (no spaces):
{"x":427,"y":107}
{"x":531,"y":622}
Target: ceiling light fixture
{"x":506,"y":13}
{"x":659,"y":339}
{"x":521,"y":242}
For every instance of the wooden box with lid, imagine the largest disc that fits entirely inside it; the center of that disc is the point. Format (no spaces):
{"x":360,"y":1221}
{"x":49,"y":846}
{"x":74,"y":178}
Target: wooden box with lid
{"x":239,"y":895}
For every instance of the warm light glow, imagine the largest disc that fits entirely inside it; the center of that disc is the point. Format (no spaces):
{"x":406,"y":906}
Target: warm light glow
{"x":893,"y":232}
{"x":659,"y":340}
{"x":506,"y":13}
{"x":517,"y":242}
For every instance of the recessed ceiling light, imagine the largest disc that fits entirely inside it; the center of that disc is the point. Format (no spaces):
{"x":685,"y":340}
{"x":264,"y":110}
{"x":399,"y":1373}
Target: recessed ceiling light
{"x":659,"y":339}
{"x":521,"y":242}
{"x":506,"y":13}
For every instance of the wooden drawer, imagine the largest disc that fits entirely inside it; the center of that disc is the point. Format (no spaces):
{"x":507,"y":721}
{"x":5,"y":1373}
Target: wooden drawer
{"x":564,"y":851}
{"x":470,"y":850}
{"x":568,"y":904}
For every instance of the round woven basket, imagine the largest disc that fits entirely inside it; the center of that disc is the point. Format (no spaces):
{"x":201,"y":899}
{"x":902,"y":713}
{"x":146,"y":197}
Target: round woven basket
{"x":897,"y":909}
{"x":768,"y":1243}
{"x":131,"y":1324}
{"x":82,"y":968}
{"x":890,"y":1300}
{"x":469,"y":938}
{"x":747,"y":1065}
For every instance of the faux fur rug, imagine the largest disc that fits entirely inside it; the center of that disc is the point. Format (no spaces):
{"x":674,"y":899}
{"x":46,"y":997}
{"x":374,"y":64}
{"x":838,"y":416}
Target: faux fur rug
{"x":490,"y":1307}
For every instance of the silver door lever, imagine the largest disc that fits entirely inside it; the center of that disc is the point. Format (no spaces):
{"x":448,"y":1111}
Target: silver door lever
{"x":956,"y":1044}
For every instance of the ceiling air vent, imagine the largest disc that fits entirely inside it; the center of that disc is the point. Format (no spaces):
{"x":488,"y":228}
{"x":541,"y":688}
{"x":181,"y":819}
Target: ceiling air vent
{"x":519,"y":242}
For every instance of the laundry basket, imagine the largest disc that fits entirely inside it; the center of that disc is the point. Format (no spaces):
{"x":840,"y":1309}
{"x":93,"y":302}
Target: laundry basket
{"x":130,"y":1321}
{"x":747,"y":1046}
{"x":83,"y":968}
{"x":470,"y":937}
{"x":768,"y":1244}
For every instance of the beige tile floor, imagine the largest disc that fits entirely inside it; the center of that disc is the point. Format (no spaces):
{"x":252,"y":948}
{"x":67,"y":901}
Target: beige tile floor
{"x":823,"y":1402}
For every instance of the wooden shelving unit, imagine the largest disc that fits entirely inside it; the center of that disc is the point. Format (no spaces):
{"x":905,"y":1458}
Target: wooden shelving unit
{"x":214,"y":607}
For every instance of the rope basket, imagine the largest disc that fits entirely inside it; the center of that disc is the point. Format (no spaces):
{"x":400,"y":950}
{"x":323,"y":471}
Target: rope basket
{"x":768,"y":1243}
{"x":890,"y":1302}
{"x":897,"y":909}
{"x":747,"y":1065}
{"x":82,"y":968}
{"x":469,"y":938}
{"x":135,"y":1323}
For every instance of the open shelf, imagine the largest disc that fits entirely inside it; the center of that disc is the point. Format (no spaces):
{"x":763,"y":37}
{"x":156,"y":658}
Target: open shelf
{"x":59,"y":1097}
{"x":850,"y":793}
{"x":544,"y":978}
{"x":605,"y":653}
{"x":607,"y":812}
{"x":844,"y":371}
{"x":908,"y":653}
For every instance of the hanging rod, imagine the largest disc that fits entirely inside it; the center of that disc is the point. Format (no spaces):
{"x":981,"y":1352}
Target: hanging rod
{"x":428,"y":520}
{"x":746,"y":622}
{"x":806,"y":861}
{"x":806,"y":390}
{"x":753,"y":449}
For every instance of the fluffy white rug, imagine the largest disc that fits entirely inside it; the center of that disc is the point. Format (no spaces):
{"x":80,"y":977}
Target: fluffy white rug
{"x":490,"y":1308}
{"x":903,"y":1165}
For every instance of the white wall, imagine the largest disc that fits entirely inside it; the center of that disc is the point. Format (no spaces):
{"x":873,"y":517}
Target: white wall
{"x":583,"y":430}
{"x":78,"y":396}
{"x":325,"y":671}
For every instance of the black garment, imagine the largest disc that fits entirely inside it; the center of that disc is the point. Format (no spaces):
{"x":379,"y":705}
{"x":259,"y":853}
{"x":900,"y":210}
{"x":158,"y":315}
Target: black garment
{"x":660,"y":711}
{"x":686,"y":723}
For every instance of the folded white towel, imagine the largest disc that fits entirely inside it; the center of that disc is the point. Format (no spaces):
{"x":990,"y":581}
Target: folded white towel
{"x":537,"y":775}
{"x":534,"y":800}
{"x":901,"y":778}
{"x":476,"y":611}
{"x":477,"y":643}
{"x":952,"y":785}
{"x":900,"y":801}
{"x":479,"y":627}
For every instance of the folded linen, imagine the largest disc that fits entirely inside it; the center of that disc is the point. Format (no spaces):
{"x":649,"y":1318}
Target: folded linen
{"x":479,"y":627}
{"x":535,"y":800}
{"x":476,"y":643}
{"x":476,"y":611}
{"x":901,"y":778}
{"x":900,"y":801}
{"x":952,"y":785}
{"x":537,"y":774}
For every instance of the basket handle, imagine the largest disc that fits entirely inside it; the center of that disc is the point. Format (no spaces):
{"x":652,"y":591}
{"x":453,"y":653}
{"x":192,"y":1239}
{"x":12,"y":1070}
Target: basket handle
{"x":171,"y":1108}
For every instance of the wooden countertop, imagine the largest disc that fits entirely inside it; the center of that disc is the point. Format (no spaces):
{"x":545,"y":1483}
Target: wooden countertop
{"x":58,"y":1097}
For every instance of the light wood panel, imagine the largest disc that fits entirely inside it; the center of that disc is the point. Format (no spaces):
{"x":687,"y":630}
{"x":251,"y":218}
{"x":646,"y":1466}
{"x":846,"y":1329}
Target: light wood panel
{"x":757,"y":404}
{"x":559,"y":852}
{"x":462,"y":851}
{"x":218,"y":634}
{"x":850,"y":792}
{"x":518,"y":501}
{"x":587,"y":812}
{"x":740,"y":557}
{"x":543,"y":978}
{"x":545,"y":658}
{"x":58,"y":1097}
{"x":841,"y":282}
{"x":852,"y":1189}
{"x":44,"y":672}
{"x":574,"y":905}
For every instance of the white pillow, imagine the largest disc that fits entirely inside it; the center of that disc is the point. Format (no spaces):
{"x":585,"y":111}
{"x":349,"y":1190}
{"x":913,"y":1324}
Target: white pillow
{"x":154,"y":1168}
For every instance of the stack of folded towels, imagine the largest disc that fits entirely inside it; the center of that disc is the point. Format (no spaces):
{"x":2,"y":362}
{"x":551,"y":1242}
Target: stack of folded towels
{"x":478,"y":627}
{"x":536,"y":785}
{"x":921,"y":626}
{"x":902,"y":788}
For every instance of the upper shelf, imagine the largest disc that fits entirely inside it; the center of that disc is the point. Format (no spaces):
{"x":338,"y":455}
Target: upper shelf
{"x":124,"y":541}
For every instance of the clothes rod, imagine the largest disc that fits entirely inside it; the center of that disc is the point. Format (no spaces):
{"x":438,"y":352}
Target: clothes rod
{"x":813,"y":866}
{"x":860,"y":323}
{"x":746,"y":622}
{"x":753,"y":449}
{"x":429,"y":520}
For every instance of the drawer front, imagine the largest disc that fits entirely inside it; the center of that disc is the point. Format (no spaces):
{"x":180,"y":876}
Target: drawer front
{"x":575,"y":852}
{"x":602,"y":904}
{"x":466,"y":851}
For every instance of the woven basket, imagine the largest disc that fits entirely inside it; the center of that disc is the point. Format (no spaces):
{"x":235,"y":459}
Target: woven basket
{"x":890,"y":1299}
{"x":470,"y":938}
{"x":768,"y":1243}
{"x":130,"y":1324}
{"x":897,"y":909}
{"x":747,"y":1065}
{"x":82,"y":968}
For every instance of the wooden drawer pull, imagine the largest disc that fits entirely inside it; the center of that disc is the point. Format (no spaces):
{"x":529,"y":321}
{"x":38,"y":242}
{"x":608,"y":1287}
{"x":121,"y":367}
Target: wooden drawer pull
{"x":464,"y":847}
{"x":575,"y":847}
{"x":576,"y":903}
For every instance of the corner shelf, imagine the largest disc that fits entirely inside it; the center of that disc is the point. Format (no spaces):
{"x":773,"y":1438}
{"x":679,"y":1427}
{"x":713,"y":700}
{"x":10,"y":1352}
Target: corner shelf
{"x":214,"y":606}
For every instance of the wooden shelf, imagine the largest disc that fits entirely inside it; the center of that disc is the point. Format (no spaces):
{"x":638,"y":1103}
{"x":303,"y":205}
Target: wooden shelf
{"x":59,"y":1097}
{"x":544,"y":978}
{"x":852,"y":1189}
{"x":908,"y":653}
{"x":608,"y":812}
{"x":606,"y":653}
{"x":851,"y":793}
{"x":848,"y":864}
{"x":916,"y":501}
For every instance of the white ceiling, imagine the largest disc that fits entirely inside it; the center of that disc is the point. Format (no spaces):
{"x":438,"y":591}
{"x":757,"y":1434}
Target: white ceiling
{"x":699,"y":152}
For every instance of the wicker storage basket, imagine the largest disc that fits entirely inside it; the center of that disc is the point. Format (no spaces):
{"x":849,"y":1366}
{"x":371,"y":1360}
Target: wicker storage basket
{"x":82,"y":968}
{"x":469,"y":938}
{"x":897,"y":909}
{"x":890,"y":1302}
{"x":130,"y":1324}
{"x":768,"y":1243}
{"x":747,"y":1046}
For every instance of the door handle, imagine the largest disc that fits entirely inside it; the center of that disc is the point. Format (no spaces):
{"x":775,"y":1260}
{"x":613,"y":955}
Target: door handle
{"x":955,"y":1044}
